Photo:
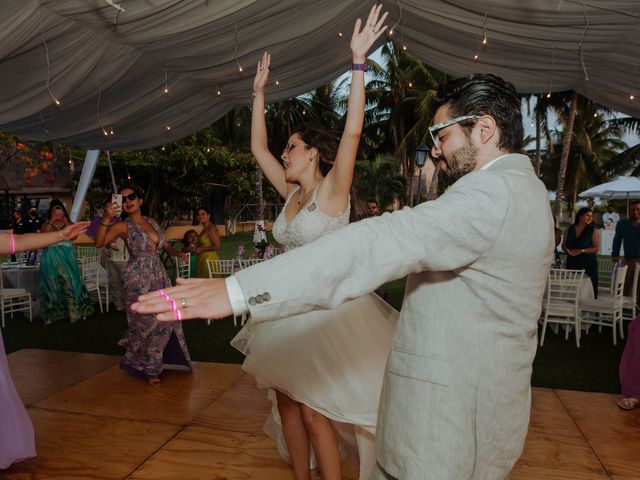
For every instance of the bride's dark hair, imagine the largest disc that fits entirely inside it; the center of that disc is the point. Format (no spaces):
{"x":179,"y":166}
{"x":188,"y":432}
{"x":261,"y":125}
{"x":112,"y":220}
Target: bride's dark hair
{"x":319,"y":137}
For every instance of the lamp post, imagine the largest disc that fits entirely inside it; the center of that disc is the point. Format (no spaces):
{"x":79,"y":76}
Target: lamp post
{"x":421,"y":158}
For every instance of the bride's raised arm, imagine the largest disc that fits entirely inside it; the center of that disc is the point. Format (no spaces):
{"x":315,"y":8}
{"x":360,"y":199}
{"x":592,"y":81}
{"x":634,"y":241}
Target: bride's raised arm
{"x":271,"y":167}
{"x":341,"y":174}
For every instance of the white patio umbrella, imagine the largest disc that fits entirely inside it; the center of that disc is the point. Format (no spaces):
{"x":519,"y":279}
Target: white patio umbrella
{"x":621,"y":187}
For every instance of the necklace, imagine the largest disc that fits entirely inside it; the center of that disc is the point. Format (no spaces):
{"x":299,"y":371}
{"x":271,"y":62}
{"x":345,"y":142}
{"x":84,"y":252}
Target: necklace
{"x":305,"y":197}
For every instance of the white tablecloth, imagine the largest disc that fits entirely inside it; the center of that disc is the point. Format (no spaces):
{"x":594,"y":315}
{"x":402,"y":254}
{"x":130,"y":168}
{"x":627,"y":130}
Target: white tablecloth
{"x":22,"y":277}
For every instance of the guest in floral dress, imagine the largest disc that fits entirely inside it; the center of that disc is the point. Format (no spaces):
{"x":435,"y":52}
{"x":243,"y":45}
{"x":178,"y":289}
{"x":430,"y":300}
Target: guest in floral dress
{"x":63,"y":294}
{"x":149,"y":344}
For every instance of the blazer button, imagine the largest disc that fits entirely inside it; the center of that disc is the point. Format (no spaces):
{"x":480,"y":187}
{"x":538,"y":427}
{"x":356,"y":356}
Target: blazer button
{"x":266,"y":296}
{"x":259,"y":298}
{"x":252,"y":301}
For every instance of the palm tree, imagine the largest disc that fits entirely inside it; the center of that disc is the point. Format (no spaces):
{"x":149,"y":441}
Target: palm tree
{"x":594,"y":142}
{"x":400,"y":97}
{"x":378,"y":179}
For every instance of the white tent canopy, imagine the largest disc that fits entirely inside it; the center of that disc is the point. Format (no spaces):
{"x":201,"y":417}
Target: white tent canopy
{"x":109,"y":68}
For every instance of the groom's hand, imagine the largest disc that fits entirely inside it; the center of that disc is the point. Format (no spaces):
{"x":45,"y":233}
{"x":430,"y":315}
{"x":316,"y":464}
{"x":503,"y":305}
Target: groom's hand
{"x":191,"y":298}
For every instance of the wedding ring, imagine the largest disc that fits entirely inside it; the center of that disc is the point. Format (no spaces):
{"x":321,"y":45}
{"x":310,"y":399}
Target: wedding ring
{"x":183,"y":303}
{"x":172,"y":305}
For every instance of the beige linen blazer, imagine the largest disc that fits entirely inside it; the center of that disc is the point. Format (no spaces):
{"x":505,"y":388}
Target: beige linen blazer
{"x":456,"y":394}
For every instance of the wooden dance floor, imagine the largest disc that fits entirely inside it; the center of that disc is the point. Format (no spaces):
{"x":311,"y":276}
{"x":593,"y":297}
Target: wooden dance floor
{"x":93,"y":421}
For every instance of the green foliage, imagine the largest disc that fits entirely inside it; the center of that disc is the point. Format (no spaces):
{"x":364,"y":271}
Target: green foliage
{"x":379,"y":179}
{"x":174,"y":178}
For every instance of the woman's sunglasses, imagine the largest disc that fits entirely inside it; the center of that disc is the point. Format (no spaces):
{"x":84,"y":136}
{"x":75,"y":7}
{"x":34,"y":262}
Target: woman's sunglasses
{"x":132,"y":196}
{"x":290,"y":146}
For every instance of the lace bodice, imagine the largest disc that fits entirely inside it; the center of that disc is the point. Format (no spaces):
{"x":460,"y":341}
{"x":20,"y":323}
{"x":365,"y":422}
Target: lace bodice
{"x":308,"y":225}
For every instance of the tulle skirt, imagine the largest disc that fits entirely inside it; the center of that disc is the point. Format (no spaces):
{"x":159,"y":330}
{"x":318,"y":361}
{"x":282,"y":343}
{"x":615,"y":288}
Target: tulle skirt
{"x":331,"y":360}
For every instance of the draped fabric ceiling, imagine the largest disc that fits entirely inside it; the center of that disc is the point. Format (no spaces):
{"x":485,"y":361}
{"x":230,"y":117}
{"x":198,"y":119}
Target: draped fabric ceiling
{"x":108,"y":68}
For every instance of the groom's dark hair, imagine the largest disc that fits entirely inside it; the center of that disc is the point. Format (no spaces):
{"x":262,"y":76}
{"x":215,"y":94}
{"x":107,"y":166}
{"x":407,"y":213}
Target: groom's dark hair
{"x":485,"y":94}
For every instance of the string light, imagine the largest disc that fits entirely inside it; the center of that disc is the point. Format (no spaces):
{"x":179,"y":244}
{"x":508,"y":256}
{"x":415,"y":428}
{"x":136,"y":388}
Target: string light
{"x":410,"y":85}
{"x":476,"y":56}
{"x":46,"y":50}
{"x":484,"y":25}
{"x":277,"y":82}
{"x":162,"y":148}
{"x":168,"y":128}
{"x":235,"y":26}
{"x":553,"y":64}
{"x":631,"y":97}
{"x":340,"y":34}
{"x":580,"y":48}
{"x":166,"y":78}
{"x":404,"y":47}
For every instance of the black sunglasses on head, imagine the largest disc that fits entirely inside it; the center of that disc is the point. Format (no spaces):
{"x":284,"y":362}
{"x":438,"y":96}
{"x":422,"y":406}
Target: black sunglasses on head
{"x":131,"y":196}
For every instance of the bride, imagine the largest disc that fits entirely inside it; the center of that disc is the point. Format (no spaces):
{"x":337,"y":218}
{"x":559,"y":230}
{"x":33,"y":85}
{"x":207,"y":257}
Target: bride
{"x":324,"y":369}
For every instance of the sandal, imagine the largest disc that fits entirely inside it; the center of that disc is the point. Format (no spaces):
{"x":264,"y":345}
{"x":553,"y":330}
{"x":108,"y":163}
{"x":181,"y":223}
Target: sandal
{"x":153,"y":380}
{"x":629,"y":403}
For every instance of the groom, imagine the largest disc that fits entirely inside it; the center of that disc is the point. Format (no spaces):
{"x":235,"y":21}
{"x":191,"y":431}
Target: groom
{"x":456,"y":394}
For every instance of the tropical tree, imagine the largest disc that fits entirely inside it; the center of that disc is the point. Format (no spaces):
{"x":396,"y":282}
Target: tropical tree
{"x":594,"y":142}
{"x":379,"y":179}
{"x":400,"y":98}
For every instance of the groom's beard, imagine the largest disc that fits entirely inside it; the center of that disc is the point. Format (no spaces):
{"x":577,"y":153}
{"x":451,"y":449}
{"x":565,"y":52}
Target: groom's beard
{"x":461,"y":162}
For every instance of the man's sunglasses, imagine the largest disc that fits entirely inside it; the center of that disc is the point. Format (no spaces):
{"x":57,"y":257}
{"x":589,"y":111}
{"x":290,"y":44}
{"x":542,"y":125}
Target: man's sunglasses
{"x":433,"y":131}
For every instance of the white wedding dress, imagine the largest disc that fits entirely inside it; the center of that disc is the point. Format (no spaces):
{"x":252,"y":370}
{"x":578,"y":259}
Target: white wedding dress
{"x":331,"y":360}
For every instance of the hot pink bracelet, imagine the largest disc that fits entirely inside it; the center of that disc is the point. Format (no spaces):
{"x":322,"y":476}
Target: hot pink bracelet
{"x":359,"y":66}
{"x":13,"y":243}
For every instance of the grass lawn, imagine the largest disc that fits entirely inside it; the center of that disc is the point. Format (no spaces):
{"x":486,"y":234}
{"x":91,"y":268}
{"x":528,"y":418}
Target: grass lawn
{"x":558,"y":364}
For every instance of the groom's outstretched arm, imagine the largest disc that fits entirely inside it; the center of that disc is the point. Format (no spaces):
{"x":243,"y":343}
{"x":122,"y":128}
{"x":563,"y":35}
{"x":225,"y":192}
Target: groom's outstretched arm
{"x":442,"y":235}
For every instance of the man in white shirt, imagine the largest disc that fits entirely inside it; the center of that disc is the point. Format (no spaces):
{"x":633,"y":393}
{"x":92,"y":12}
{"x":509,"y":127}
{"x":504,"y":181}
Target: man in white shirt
{"x":610,"y":218}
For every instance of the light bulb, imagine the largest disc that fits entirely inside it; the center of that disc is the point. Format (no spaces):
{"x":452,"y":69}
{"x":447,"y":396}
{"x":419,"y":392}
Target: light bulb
{"x":277,"y":82}
{"x":105,"y":132}
{"x":476,"y":56}
{"x":404,"y":47}
{"x":410,"y":85}
{"x":391,"y":32}
{"x":631,"y":97}
{"x":549,"y":95}
{"x":111,"y":131}
{"x":339,"y":34}
{"x":240,"y":68}
{"x":219,"y":92}
{"x":56,"y":101}
{"x":166,"y":90}
{"x":168,"y":128}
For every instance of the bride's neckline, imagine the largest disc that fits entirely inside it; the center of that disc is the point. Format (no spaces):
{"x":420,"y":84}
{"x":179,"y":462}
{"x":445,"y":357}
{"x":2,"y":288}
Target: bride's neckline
{"x":306,"y":206}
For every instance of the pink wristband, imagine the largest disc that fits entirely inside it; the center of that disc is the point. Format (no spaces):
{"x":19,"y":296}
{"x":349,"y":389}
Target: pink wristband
{"x":359,"y":66}
{"x":13,"y":243}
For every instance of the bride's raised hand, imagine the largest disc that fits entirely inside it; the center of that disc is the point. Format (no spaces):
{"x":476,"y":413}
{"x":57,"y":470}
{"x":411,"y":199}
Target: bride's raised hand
{"x":262,"y":73}
{"x":363,"y":38}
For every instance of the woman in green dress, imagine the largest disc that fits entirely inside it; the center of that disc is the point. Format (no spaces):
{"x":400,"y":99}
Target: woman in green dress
{"x":208,"y":242}
{"x":63,"y":293}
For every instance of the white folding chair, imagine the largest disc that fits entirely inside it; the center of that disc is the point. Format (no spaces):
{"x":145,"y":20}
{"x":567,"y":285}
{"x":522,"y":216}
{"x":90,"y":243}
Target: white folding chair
{"x":90,"y":267}
{"x":629,"y":303}
{"x":606,"y":310}
{"x":247,"y":262}
{"x":605,"y":267}
{"x":183,"y":268}
{"x":561,"y":303}
{"x":86,"y":251}
{"x":14,"y":300}
{"x":220,"y":268}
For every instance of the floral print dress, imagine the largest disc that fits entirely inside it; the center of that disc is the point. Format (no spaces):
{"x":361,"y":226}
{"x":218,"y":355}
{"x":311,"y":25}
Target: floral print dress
{"x":149,"y":344}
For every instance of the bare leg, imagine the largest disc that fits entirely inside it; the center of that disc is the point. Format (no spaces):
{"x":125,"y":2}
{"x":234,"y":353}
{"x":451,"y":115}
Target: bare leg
{"x":295,"y":434}
{"x":324,"y":441}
